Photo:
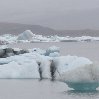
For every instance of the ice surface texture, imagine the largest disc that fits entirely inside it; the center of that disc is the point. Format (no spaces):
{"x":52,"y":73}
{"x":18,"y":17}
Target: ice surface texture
{"x":77,"y":72}
{"x":81,"y":74}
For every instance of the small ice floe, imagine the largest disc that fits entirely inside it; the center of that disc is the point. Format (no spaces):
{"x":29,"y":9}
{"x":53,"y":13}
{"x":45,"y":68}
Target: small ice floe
{"x":54,"y":54}
{"x":7,"y":52}
{"x":52,"y":50}
{"x":38,"y":50}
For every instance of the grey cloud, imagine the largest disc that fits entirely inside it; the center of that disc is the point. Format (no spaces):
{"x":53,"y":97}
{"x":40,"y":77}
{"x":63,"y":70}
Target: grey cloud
{"x":60,"y":14}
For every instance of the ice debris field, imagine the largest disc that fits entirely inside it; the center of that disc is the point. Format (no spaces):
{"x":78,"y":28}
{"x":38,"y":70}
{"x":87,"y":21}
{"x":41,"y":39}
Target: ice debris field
{"x":78,"y":73}
{"x":28,"y":36}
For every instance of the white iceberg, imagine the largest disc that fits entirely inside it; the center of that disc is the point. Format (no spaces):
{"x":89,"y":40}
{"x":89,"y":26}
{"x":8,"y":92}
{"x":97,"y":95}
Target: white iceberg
{"x":54,"y":54}
{"x":38,"y":50}
{"x":81,"y":74}
{"x":26,"y":35}
{"x":52,"y":49}
{"x":77,"y":72}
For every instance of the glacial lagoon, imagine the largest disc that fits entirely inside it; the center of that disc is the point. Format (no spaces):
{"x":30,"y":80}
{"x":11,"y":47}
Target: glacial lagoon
{"x":30,"y":88}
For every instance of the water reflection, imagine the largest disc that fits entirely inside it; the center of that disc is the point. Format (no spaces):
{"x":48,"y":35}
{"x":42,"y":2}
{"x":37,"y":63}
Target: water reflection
{"x":73,"y":94}
{"x":81,"y":92}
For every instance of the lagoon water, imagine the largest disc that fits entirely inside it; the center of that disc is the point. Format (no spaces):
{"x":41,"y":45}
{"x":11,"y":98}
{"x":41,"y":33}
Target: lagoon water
{"x":45,"y":89}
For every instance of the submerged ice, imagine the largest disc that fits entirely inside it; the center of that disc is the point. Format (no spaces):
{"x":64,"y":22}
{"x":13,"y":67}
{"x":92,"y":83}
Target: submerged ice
{"x":77,"y":72}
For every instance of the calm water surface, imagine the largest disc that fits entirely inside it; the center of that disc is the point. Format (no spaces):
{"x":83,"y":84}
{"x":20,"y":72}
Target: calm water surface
{"x":34,"y":89}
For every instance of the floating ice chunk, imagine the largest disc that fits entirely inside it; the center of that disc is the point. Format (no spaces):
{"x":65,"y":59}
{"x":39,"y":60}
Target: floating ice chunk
{"x":15,"y":70}
{"x":81,"y":74}
{"x":18,"y":67}
{"x":26,"y":35}
{"x":63,"y":62}
{"x":8,"y":38}
{"x":77,"y":72}
{"x":38,"y":50}
{"x":55,"y":54}
{"x":52,"y":50}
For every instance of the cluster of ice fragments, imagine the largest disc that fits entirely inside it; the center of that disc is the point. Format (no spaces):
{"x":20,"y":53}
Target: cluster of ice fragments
{"x":28,"y":36}
{"x":77,"y":72}
{"x":7,"y":52}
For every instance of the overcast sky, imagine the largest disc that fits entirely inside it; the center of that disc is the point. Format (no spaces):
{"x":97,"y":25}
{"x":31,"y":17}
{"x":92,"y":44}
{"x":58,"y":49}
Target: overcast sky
{"x":58,"y":14}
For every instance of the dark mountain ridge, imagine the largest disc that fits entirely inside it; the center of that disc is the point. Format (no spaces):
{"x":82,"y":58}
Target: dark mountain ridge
{"x":16,"y":28}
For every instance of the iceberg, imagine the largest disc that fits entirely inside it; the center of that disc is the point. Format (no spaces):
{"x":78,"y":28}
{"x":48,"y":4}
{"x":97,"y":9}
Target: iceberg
{"x":81,"y":74}
{"x":24,"y":66}
{"x":78,"y":73}
{"x":51,"y":50}
{"x":26,"y":35}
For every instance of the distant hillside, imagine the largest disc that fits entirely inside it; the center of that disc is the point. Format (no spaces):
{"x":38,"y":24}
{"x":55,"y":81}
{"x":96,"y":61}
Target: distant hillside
{"x":15,"y":28}
{"x":86,"y":32}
